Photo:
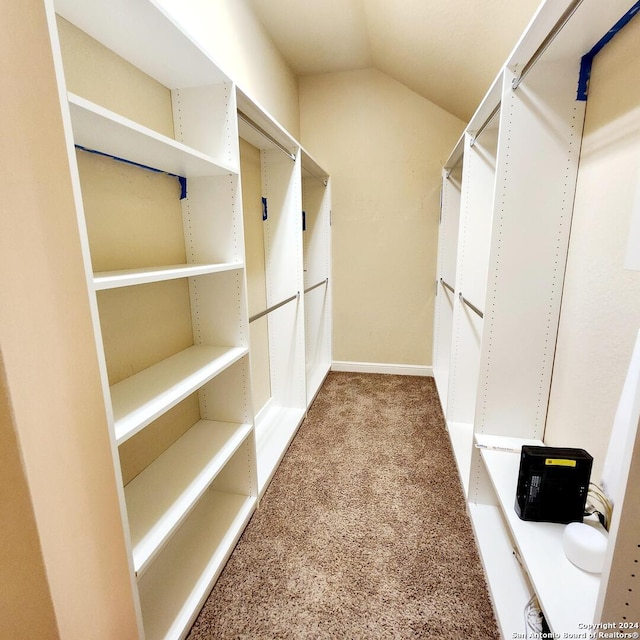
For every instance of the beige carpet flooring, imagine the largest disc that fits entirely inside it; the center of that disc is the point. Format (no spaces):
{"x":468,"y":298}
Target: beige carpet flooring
{"x":362,"y":533}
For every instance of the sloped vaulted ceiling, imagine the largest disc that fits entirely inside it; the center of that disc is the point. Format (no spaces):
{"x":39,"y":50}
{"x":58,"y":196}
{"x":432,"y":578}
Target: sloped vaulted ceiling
{"x":448,"y":51}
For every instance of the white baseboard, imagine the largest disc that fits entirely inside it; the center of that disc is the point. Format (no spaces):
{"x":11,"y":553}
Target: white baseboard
{"x":375,"y":367}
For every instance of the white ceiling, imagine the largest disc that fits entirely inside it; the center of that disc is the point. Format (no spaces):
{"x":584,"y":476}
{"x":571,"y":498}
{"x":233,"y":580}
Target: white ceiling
{"x":448,"y":51}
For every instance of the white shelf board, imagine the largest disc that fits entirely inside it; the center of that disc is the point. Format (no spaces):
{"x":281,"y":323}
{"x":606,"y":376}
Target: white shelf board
{"x":160,"y":497}
{"x":260,"y":116}
{"x":143,"y":34}
{"x":129,"y":277}
{"x":275,"y":428}
{"x":501,"y":443}
{"x":99,"y":129}
{"x":588,"y":24}
{"x":455,"y":156}
{"x":567,"y":594}
{"x":489,"y":103}
{"x":312,"y":167}
{"x":507,"y":583}
{"x":141,"y":398}
{"x":174,"y":588}
{"x":461,"y":436}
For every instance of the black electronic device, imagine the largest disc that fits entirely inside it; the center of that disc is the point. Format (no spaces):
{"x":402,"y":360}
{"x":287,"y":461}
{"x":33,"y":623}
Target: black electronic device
{"x":552,"y":484}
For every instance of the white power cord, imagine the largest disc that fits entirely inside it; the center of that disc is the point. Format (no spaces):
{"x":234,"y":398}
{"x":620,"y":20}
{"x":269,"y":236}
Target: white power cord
{"x":534,"y":622}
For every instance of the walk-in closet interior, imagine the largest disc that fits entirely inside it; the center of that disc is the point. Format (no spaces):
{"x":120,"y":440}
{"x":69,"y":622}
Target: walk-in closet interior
{"x":177,"y":315}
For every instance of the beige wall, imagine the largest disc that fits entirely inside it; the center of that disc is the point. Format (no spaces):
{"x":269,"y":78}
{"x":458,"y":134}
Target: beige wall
{"x":47,"y":343}
{"x":229,"y":31}
{"x":384,"y":147}
{"x":600,"y":314}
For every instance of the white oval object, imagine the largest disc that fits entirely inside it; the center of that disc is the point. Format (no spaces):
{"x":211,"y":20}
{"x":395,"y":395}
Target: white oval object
{"x":585,"y":546}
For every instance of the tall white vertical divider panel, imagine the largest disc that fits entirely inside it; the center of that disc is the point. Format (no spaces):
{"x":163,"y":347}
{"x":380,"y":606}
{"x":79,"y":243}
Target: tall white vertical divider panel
{"x":446,"y":269}
{"x":472,"y":260}
{"x":316,"y":235}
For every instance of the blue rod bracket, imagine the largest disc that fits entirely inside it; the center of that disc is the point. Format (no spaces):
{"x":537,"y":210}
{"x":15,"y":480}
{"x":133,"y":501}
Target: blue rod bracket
{"x":586,"y":61}
{"x":181,"y":179}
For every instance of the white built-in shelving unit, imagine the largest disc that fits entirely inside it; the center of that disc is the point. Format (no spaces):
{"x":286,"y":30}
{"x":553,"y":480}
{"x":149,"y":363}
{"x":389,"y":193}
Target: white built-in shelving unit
{"x":507,"y":201}
{"x":297,"y":244}
{"x":171,"y":334}
{"x":161,"y":225}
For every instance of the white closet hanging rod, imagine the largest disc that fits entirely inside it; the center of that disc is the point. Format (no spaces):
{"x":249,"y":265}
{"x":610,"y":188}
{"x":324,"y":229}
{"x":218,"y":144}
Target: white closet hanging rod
{"x":557,"y":28}
{"x":471,"y":306}
{"x":256,"y":127}
{"x":446,"y":285}
{"x":274,"y":307}
{"x":485,"y":124}
{"x":315,"y":286}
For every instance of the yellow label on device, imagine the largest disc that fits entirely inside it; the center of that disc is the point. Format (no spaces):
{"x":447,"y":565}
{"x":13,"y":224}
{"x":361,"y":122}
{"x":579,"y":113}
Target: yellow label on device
{"x":560,"y":462}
